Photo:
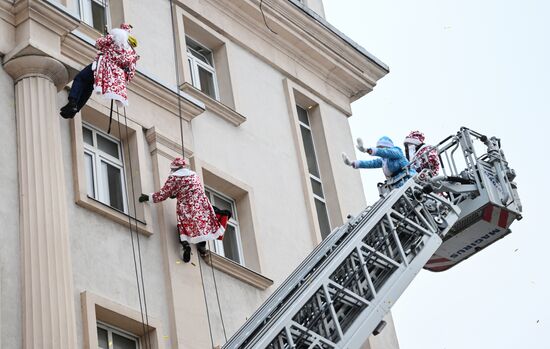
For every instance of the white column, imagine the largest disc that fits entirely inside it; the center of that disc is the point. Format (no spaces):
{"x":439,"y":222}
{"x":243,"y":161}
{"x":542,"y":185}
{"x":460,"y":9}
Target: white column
{"x":48,"y":313}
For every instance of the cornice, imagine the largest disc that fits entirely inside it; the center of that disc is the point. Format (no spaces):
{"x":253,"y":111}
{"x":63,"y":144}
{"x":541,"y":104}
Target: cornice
{"x":6,"y":11}
{"x":46,"y":14}
{"x":238,"y":271}
{"x":213,"y":105}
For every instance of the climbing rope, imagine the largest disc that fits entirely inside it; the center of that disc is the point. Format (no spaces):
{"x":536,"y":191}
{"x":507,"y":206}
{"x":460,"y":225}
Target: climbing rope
{"x":140,"y":287}
{"x":174,"y":46}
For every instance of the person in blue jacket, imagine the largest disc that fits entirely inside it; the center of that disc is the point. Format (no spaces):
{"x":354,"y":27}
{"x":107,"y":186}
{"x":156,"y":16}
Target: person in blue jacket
{"x":390,"y":159}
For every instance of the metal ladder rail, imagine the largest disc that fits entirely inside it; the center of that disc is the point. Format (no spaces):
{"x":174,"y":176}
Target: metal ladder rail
{"x":380,"y":213}
{"x":301,"y":298}
{"x":299,"y":275}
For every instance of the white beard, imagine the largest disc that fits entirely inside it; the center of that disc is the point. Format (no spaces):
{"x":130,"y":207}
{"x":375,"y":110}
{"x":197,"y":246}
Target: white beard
{"x":120,"y":37}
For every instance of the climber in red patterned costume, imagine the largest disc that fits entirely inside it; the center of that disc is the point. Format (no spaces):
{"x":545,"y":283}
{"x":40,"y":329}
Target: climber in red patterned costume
{"x":108,"y":75}
{"x":197,"y":222}
{"x":421,"y":156}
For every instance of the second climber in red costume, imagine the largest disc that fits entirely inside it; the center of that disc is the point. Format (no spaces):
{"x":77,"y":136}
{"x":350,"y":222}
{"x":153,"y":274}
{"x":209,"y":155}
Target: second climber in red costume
{"x":197,"y":221}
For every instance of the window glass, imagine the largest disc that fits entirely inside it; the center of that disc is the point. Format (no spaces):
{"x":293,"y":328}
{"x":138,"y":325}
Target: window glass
{"x":120,"y":342}
{"x":107,"y":146}
{"x":309,"y":149}
{"x":87,"y":136}
{"x":322,"y":216}
{"x":102,"y":338}
{"x":113,"y":185}
{"x":98,"y":16}
{"x":104,"y":168}
{"x":206,"y":79}
{"x":200,"y":52}
{"x":230,"y":244}
{"x":223,"y":204}
{"x":316,"y":187}
{"x":89,"y":167}
{"x":302,"y":115}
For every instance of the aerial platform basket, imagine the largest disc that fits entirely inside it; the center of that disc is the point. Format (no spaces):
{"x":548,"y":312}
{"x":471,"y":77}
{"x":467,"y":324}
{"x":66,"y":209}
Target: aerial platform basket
{"x":477,"y":178}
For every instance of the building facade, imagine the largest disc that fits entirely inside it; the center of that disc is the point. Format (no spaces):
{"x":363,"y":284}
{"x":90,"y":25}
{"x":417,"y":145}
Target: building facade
{"x":256,"y":96}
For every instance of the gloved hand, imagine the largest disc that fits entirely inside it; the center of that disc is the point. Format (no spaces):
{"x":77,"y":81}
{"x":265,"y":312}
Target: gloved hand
{"x":360,"y":145}
{"x":370,"y":151}
{"x":346,"y":159}
{"x":143,"y":198}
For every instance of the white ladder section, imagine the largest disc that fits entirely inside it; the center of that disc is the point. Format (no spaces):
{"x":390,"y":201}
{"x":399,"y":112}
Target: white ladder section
{"x":341,"y":292}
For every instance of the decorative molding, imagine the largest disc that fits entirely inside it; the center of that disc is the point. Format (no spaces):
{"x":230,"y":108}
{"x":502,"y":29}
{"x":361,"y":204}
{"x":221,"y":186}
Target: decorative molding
{"x":6,"y":11}
{"x":47,"y":14}
{"x":238,"y":271}
{"x":98,"y":207}
{"x":32,"y":65}
{"x":96,"y":308}
{"x":213,"y":105}
{"x":158,"y":143}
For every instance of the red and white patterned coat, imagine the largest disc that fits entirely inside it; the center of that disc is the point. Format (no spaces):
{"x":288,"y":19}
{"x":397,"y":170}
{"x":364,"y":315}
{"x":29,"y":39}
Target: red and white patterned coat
{"x":426,"y":158}
{"x":197,"y":220}
{"x":115,"y":66}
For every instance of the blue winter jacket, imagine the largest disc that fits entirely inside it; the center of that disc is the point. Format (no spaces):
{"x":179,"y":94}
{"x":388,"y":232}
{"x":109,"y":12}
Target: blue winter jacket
{"x":391,"y":160}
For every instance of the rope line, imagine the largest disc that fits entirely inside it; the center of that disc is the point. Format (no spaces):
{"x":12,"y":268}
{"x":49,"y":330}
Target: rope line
{"x":144,"y":319}
{"x":174,"y":46}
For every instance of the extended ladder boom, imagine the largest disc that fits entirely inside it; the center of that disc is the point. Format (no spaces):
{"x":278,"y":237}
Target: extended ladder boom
{"x":344,"y":288}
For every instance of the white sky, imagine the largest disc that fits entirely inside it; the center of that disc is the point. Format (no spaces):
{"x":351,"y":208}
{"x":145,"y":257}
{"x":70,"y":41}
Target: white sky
{"x":484,"y":65}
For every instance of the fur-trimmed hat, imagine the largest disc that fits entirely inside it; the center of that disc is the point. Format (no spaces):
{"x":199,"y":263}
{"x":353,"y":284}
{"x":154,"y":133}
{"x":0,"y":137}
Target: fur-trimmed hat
{"x":415,"y":137}
{"x":384,"y":142}
{"x":178,"y":163}
{"x":126,"y":26}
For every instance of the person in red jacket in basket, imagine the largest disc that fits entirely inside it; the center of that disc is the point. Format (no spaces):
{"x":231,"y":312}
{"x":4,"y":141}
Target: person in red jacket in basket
{"x":197,"y":221}
{"x":420,"y":155}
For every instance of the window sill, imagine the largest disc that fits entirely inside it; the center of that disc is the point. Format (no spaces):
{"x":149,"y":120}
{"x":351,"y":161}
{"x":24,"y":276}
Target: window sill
{"x":213,"y":105}
{"x":238,"y":271}
{"x":113,"y":214}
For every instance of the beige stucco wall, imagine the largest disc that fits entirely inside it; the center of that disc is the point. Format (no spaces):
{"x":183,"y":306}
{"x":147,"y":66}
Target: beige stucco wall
{"x":262,"y":154}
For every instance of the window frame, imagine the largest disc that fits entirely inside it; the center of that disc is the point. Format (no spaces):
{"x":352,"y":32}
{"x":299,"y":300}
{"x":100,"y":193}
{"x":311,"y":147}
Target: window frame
{"x":98,"y":156}
{"x":194,"y":64}
{"x":310,"y":175}
{"x":233,"y":221}
{"x":86,"y":12}
{"x":112,"y":329}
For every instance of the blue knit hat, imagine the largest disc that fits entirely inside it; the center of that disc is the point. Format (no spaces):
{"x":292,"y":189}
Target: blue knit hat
{"x":384,"y":142}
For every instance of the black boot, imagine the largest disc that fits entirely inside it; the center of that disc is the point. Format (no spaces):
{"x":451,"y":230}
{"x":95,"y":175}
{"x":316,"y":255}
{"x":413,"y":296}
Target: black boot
{"x":69,"y":110}
{"x":186,"y":251}
{"x":201,"y":248}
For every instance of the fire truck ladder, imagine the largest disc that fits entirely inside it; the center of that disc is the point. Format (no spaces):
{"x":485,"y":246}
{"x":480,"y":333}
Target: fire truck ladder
{"x":341,"y":292}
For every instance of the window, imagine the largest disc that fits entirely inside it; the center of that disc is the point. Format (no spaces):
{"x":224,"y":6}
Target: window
{"x":314,"y":173}
{"x":94,"y":13}
{"x":104,"y":168}
{"x":111,"y":338}
{"x":201,"y":66}
{"x":230,"y":247}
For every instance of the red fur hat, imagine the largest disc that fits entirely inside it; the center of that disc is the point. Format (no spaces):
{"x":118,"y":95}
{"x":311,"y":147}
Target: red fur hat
{"x":126,"y":26}
{"x":178,"y":163}
{"x":415,"y":137}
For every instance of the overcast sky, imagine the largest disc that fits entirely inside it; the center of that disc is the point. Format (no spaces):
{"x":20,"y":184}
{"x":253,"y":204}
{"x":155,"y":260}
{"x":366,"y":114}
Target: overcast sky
{"x":484,"y":65}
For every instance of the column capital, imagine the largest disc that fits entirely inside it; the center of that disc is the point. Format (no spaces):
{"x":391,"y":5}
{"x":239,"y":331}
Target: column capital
{"x":34,"y":65}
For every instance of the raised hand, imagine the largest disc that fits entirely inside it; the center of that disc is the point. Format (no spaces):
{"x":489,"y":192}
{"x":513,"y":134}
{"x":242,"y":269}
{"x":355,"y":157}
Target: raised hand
{"x":346,"y":159}
{"x":360,"y":146}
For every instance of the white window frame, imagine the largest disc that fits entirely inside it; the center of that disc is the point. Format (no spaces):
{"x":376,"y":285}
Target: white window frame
{"x":311,"y":176}
{"x":111,"y":329}
{"x":233,"y":221}
{"x":86,"y":12}
{"x":101,"y":192}
{"x":195,"y":63}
